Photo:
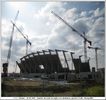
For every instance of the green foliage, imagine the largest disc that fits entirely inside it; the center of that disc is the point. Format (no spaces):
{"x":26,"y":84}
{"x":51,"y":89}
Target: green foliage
{"x":97,"y":90}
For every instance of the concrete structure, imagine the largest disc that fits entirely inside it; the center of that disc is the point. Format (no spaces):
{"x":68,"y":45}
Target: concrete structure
{"x":48,"y":66}
{"x":81,"y":66}
{"x":46,"y":63}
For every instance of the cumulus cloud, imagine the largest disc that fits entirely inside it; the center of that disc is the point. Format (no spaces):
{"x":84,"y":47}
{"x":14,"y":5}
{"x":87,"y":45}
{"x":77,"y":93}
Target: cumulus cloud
{"x":46,"y":31}
{"x":97,"y":29}
{"x":83,"y":13}
{"x":63,"y":37}
{"x":99,"y":12}
{"x":71,"y":13}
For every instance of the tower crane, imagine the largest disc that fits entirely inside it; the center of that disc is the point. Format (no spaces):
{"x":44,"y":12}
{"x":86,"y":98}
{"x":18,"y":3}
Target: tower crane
{"x":96,"y":57}
{"x":73,"y":29}
{"x":5,"y":65}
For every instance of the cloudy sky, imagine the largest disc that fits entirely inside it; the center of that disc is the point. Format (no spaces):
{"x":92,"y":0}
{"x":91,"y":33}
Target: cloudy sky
{"x":46,"y":31}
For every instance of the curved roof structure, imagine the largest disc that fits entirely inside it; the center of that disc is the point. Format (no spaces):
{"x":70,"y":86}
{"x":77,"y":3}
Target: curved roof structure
{"x":41,"y":63}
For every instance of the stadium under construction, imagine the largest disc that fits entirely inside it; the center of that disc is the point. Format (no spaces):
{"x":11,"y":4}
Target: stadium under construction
{"x":47,"y":63}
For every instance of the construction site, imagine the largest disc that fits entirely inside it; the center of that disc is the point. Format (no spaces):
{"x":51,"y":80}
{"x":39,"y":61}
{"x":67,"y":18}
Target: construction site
{"x":42,"y":72}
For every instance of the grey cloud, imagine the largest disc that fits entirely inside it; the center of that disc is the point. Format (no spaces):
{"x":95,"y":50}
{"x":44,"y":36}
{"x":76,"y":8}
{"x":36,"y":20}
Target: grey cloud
{"x":99,"y":12}
{"x":81,"y":26}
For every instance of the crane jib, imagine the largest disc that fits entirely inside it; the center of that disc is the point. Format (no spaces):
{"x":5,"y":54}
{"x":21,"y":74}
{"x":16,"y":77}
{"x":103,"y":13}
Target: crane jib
{"x":71,"y":27}
{"x":20,"y":32}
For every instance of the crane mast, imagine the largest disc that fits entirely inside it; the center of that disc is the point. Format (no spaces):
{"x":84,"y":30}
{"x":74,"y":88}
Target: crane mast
{"x":85,"y":49}
{"x":5,"y":65}
{"x":96,"y":56}
{"x":73,"y":29}
{"x":11,"y":38}
{"x":26,"y":45}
